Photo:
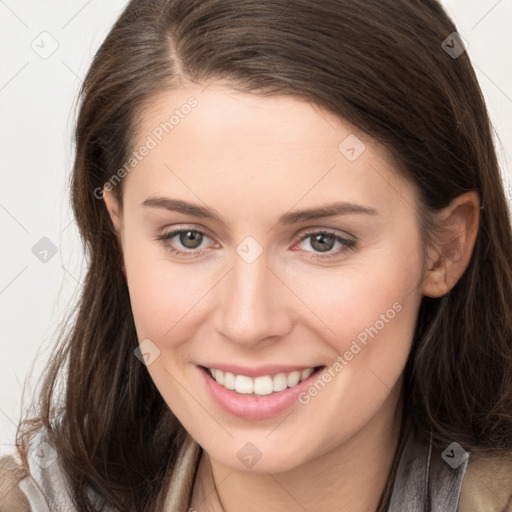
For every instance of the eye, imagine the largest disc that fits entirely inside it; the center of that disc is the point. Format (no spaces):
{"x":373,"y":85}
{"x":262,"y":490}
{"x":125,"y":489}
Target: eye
{"x":323,"y":242}
{"x":187,"y":242}
{"x":190,"y":239}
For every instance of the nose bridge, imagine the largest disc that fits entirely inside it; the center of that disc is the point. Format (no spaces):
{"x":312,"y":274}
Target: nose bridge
{"x":249,"y":305}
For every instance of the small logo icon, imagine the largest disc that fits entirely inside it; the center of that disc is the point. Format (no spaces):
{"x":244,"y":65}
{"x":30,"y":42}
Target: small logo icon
{"x":44,"y":250}
{"x":147,"y":352}
{"x":249,"y":249}
{"x":454,"y":45}
{"x":45,"y":455}
{"x":351,"y":147}
{"x":249,"y":454}
{"x":45,"y":45}
{"x":455,"y":455}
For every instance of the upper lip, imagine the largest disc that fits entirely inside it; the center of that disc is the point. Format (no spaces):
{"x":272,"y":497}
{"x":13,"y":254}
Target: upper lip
{"x":258,"y":371}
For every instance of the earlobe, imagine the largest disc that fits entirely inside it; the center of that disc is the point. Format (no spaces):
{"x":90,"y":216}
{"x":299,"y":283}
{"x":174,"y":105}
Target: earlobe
{"x":451,"y":252}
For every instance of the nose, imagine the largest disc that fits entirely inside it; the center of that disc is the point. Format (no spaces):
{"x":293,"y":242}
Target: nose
{"x":253,"y":306}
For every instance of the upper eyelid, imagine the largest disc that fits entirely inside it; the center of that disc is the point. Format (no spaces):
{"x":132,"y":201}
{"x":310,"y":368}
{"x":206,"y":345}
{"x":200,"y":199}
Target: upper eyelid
{"x":175,"y":230}
{"x":206,"y":231}
{"x":331,"y":231}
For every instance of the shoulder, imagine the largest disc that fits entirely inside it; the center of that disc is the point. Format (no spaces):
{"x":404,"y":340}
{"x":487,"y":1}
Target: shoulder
{"x":44,"y":486}
{"x":12,"y":499}
{"x":39,"y":487}
{"x":487,"y":485}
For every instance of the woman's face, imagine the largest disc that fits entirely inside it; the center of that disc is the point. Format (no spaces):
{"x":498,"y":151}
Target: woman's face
{"x":297,"y":248}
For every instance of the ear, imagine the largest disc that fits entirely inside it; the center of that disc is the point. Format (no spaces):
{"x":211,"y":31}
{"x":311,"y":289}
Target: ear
{"x":113,"y":209}
{"x":451,"y":252}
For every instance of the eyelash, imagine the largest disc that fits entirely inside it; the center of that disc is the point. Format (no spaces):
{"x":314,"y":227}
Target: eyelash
{"x":349,"y":245}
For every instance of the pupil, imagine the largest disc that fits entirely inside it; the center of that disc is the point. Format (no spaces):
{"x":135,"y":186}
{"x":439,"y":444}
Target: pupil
{"x":190,"y":236}
{"x":321,"y":240}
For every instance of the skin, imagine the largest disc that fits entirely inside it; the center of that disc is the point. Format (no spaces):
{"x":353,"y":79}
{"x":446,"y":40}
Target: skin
{"x":252,"y":159}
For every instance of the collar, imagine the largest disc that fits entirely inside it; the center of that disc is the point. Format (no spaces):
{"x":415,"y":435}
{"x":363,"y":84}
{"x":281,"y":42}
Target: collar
{"x":427,"y":479}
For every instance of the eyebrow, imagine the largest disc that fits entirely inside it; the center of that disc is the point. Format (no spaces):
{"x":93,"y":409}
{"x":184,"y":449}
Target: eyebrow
{"x":204,"y":212}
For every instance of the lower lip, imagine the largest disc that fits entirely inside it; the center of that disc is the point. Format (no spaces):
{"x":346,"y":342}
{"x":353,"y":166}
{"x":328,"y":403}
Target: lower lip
{"x":253,"y":407}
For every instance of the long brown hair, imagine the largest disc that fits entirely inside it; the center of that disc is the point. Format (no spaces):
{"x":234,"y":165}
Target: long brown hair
{"x":381,"y":65}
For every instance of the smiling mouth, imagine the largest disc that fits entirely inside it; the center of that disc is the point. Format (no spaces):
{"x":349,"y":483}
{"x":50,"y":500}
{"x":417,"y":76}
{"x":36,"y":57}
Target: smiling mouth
{"x":263,"y":385}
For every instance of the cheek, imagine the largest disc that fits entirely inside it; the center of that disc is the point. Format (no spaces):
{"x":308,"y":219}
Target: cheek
{"x":153,"y":289}
{"x":371,"y":297}
{"x":370,"y":312}
{"x":162,"y":294}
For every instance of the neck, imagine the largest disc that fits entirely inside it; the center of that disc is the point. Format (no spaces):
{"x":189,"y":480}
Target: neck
{"x":350,"y":477}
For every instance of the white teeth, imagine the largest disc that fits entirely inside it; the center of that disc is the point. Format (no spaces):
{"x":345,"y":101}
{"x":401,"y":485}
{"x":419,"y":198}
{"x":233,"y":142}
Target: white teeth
{"x":279,"y":382}
{"x":293,"y":379}
{"x":219,"y":376}
{"x":244,"y":384}
{"x":264,"y":385}
{"x":306,"y":373}
{"x":229,"y":379}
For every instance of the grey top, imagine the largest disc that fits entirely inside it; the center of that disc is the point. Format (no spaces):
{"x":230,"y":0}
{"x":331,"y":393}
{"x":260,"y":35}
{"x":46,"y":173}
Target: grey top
{"x":426,"y":480}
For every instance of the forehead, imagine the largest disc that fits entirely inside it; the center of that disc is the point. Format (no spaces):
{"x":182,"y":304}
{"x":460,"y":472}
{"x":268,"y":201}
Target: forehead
{"x":250,"y":118}
{"x":270,"y":150}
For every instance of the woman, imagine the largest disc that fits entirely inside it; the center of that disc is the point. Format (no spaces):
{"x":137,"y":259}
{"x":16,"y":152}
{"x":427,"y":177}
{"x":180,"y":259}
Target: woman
{"x":299,"y":288}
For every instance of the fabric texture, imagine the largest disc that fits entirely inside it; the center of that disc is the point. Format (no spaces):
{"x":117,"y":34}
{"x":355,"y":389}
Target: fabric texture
{"x":11,"y":498}
{"x":426,"y":481}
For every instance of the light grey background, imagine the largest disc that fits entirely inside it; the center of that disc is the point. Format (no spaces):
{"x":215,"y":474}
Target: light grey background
{"x":46,"y":50}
